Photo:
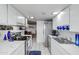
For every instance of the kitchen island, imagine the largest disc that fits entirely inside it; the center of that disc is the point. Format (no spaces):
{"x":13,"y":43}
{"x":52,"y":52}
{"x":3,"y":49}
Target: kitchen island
{"x":57,"y":48}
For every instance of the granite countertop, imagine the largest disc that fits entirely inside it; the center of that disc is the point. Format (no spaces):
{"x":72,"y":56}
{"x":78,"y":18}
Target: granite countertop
{"x":70,"y":48}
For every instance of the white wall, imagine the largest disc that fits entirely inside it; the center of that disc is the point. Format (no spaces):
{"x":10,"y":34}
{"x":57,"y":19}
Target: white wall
{"x":40,"y":31}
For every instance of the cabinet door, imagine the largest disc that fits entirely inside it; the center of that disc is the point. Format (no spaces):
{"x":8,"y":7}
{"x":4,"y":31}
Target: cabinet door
{"x":14,"y":17}
{"x":53,"y":47}
{"x":19,"y":51}
{"x":56,"y":49}
{"x":74,"y":18}
{"x":61,"y":19}
{"x":11,"y":15}
{"x":20,"y":19}
{"x":3,"y":14}
{"x":60,"y":50}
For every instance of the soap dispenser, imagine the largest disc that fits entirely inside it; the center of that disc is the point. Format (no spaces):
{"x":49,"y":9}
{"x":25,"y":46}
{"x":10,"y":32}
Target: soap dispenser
{"x":5,"y":38}
{"x":9,"y":36}
{"x":77,"y":39}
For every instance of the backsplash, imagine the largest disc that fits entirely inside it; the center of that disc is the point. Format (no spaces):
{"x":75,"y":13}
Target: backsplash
{"x":67,"y":34}
{"x":3,"y":32}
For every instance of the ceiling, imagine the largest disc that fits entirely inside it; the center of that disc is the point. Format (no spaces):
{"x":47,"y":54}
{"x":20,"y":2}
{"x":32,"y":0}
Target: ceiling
{"x":39,"y":11}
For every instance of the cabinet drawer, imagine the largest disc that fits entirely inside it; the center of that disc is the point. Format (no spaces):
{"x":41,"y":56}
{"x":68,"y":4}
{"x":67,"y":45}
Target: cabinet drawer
{"x":57,"y":49}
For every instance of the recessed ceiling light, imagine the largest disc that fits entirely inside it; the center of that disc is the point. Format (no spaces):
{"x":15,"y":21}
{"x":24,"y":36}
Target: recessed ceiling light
{"x":31,"y":17}
{"x":59,"y":16}
{"x":55,"y":13}
{"x":21,"y":17}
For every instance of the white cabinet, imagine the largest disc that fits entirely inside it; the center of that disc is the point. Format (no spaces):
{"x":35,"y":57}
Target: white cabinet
{"x":11,"y":15}
{"x":19,"y":51}
{"x":61,"y":19}
{"x":14,"y":17}
{"x":3,"y":14}
{"x":20,"y":18}
{"x":74,"y":18}
{"x":55,"y":48}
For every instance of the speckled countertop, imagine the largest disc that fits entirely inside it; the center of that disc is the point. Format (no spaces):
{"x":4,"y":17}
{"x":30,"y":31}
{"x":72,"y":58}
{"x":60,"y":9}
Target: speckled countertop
{"x":70,"y":48}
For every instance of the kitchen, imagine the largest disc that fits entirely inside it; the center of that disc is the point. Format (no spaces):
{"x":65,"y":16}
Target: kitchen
{"x":39,"y":29}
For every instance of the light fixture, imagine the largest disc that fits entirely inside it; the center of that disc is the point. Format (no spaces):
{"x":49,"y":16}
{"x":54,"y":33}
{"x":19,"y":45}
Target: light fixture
{"x":31,"y":17}
{"x":21,"y":17}
{"x":55,"y":13}
{"x":59,"y":16}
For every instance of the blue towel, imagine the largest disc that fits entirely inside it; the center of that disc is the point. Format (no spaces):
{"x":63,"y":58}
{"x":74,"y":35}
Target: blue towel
{"x":35,"y":53}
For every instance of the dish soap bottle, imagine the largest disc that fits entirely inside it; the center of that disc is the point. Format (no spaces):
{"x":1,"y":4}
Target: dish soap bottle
{"x":77,"y":39}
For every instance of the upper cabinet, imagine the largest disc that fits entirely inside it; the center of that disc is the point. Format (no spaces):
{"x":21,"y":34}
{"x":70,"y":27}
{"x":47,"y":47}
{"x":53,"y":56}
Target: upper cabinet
{"x":15,"y":17}
{"x":3,"y":14}
{"x":74,"y":18}
{"x":11,"y":15}
{"x":20,"y":19}
{"x":61,"y":19}
{"x":69,"y":16}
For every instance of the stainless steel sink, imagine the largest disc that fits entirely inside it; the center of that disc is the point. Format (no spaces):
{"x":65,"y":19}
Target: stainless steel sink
{"x":63,"y":40}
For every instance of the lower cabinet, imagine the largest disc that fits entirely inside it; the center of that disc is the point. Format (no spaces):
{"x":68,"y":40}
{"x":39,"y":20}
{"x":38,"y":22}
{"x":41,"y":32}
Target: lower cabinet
{"x":19,"y":51}
{"x":55,"y":48}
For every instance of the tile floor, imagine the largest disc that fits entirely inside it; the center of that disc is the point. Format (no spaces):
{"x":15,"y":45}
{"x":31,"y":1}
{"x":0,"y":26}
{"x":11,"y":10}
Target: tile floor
{"x":40,"y":47}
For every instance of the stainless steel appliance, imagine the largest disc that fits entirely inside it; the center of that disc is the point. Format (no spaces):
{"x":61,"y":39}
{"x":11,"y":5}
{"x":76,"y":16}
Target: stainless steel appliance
{"x":55,"y":32}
